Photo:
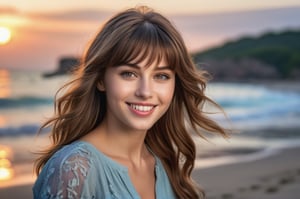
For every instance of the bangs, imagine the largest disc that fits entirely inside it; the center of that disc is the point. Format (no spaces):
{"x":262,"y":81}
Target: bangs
{"x":146,"y":42}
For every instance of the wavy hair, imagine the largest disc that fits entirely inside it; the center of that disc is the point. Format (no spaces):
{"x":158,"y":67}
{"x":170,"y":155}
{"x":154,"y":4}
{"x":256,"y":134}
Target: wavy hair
{"x":135,"y":35}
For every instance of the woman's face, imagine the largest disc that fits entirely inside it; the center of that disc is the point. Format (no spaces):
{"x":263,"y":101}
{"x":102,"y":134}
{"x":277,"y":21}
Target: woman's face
{"x":137,"y":96}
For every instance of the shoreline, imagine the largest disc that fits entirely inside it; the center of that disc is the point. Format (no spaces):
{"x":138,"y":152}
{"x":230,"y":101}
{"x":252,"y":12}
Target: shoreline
{"x":275,"y":176}
{"x":210,"y":153}
{"x":276,"y":84}
{"x":245,"y":146}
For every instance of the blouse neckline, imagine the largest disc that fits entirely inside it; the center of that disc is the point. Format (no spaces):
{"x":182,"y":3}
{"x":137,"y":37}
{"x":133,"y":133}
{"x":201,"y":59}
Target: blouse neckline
{"x":111,"y":161}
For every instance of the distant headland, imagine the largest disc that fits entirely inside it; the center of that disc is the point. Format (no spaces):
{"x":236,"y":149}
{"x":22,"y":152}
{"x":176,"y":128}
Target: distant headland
{"x":66,"y":66}
{"x":271,"y":56}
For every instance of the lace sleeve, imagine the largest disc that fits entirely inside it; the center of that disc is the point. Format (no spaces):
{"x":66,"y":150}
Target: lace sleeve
{"x":65,"y":178}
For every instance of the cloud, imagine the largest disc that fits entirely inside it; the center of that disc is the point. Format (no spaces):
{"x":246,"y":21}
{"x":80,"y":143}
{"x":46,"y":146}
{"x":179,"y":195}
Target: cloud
{"x":51,"y":35}
{"x":8,"y":10}
{"x":73,"y":15}
{"x":77,"y":15}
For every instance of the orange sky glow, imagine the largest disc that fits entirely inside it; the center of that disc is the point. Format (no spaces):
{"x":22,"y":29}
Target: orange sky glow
{"x":43,"y":31}
{"x":166,"y":6}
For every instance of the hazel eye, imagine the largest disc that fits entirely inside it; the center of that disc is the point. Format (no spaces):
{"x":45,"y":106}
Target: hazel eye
{"x":128,"y":75}
{"x":162,"y":76}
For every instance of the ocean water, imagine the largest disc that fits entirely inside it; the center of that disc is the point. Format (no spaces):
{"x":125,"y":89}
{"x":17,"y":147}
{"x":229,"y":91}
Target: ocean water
{"x":264,"y":119}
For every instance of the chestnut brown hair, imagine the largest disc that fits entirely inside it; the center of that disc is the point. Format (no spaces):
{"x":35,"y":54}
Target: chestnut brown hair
{"x":135,"y":35}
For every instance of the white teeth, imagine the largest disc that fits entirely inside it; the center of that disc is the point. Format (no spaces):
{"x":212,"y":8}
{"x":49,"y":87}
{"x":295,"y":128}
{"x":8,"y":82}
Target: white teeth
{"x":141,"y":108}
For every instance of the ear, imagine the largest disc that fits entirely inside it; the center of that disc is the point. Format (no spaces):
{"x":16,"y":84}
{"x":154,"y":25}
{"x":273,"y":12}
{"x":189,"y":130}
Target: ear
{"x":100,"y":86}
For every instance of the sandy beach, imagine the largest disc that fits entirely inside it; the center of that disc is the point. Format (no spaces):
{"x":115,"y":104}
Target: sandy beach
{"x":274,"y":177}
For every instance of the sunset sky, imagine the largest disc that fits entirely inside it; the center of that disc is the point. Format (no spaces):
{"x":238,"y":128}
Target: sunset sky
{"x":170,"y":6}
{"x":43,"y":31}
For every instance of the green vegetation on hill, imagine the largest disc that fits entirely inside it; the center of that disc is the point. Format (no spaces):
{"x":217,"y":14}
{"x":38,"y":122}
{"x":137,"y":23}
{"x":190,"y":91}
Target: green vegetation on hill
{"x":279,"y":50}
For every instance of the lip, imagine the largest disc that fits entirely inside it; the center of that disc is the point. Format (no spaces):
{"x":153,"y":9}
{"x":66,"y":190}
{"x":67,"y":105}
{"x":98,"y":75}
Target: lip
{"x":141,"y":109}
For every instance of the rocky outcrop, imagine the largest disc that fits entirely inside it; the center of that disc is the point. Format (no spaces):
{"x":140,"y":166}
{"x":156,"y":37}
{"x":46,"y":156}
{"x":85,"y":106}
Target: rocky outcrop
{"x":237,"y":70}
{"x":66,"y":66}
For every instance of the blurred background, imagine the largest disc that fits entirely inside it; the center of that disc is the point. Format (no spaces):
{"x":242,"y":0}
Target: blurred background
{"x":251,"y":48}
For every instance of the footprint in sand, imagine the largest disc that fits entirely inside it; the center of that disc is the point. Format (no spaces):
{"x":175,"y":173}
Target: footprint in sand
{"x":255,"y":187}
{"x":272,"y":189}
{"x":227,"y":196}
{"x":286,"y":180}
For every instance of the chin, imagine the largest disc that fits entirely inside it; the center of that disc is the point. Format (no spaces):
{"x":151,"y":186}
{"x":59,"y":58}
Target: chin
{"x":142,"y":127}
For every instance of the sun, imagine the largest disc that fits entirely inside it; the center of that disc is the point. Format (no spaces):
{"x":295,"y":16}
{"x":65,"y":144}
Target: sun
{"x":5,"y":35}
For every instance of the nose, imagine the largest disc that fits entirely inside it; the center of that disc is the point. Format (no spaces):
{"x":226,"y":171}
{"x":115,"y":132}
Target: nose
{"x":144,"y":89}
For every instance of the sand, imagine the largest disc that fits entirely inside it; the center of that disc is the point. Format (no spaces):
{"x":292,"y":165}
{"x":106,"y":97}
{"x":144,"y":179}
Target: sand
{"x":276,"y":177}
{"x":273,"y":177}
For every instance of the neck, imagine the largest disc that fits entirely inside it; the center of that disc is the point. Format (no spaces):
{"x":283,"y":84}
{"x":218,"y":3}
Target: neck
{"x":123,"y":143}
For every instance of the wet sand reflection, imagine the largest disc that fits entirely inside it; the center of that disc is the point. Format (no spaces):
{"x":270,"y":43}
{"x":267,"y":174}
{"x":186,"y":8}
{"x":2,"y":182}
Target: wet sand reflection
{"x":6,"y":169}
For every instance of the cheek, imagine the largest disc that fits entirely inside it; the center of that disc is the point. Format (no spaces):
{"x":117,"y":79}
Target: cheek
{"x":166,"y":92}
{"x":118,"y":90}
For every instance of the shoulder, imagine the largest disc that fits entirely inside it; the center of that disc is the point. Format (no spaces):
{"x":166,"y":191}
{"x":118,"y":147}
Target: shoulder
{"x":66,"y":172}
{"x":76,"y":156}
{"x":74,"y":153}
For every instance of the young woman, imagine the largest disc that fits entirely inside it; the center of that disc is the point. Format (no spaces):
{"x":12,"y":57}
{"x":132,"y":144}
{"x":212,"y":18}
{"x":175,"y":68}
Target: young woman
{"x":121,"y":128}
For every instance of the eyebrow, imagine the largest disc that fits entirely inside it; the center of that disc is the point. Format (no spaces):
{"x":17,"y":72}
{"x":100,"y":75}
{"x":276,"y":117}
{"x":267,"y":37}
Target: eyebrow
{"x":136,"y":66}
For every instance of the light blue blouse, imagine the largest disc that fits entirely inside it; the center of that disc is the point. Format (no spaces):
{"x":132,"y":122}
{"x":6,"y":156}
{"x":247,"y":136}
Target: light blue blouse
{"x":80,"y":171}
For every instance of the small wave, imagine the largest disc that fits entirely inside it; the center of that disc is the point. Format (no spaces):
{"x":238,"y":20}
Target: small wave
{"x":24,"y":102}
{"x":259,"y":106}
{"x":20,"y":131}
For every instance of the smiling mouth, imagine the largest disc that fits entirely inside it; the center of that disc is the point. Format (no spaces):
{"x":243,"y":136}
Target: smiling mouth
{"x":141,"y":108}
